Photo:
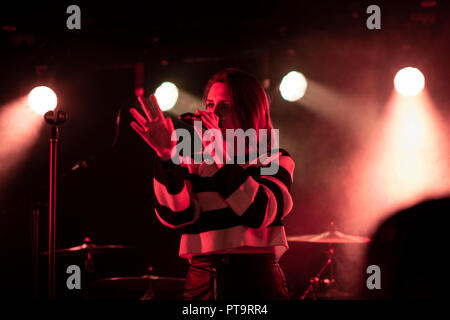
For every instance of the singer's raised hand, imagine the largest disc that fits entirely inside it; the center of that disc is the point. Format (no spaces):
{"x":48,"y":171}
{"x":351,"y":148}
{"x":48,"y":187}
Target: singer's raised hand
{"x":154,"y":128}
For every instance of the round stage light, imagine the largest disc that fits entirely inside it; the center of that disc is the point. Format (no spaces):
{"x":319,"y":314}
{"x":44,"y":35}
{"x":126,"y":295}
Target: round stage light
{"x":409,"y":81}
{"x":293,"y":86}
{"x":42,"y":99}
{"x":167,"y":95}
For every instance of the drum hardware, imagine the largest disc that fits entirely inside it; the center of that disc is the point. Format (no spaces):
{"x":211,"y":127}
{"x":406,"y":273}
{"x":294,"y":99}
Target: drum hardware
{"x":88,"y":249}
{"x":330,"y":237}
{"x":144,"y":283}
{"x":317,"y":282}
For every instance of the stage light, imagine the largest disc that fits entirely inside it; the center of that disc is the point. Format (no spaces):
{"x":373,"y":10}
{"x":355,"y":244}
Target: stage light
{"x":409,"y":81}
{"x":293,"y":86}
{"x":167,"y":95}
{"x":42,"y":99}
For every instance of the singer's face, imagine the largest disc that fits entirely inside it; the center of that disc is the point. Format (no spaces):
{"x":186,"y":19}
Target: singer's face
{"x":218,"y":101}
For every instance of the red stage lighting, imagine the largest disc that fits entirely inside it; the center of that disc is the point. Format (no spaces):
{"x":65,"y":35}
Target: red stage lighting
{"x":293,"y":86}
{"x":42,"y":99}
{"x":409,"y":81}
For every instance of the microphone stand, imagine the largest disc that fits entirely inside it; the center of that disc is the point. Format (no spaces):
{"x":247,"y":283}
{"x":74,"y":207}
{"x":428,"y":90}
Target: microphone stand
{"x":55,"y":120}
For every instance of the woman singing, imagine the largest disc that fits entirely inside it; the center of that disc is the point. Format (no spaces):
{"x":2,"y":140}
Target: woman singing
{"x":231,"y":214}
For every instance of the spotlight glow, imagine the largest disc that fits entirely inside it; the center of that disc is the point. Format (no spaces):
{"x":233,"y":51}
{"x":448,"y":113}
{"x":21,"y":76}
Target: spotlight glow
{"x":167,"y":95}
{"x":293,"y":86}
{"x":405,"y":161}
{"x":20,"y":128}
{"x":42,"y":99}
{"x":409,"y":81}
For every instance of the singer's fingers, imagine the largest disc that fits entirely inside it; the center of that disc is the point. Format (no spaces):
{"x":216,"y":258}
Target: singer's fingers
{"x":210,"y":118}
{"x":140,"y":119}
{"x":209,"y":123}
{"x":215,"y":118}
{"x":199,"y":132}
{"x":210,"y":115}
{"x":138,"y":129}
{"x":156,"y":107}
{"x":169,"y":125}
{"x":146,"y":107}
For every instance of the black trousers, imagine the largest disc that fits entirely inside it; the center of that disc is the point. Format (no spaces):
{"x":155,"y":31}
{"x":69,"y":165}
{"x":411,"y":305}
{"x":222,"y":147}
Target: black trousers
{"x":235,"y":277}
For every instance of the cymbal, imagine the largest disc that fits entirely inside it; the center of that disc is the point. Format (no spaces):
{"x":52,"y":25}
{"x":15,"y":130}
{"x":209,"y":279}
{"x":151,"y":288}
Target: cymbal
{"x":329,"y":237}
{"x":89,"y":248}
{"x":135,"y":283}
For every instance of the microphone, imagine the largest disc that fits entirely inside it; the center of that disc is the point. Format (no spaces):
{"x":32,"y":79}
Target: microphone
{"x":189,"y":118}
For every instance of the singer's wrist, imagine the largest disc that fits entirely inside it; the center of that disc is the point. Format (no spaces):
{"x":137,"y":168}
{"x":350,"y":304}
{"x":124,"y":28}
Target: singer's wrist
{"x":164,"y":155}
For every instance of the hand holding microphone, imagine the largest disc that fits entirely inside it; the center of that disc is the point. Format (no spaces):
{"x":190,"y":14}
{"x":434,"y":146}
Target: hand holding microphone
{"x":209,"y":121}
{"x":202,"y":116}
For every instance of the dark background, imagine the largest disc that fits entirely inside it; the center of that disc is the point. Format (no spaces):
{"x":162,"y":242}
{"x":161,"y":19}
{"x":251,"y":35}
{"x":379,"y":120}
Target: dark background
{"x":92,"y":72}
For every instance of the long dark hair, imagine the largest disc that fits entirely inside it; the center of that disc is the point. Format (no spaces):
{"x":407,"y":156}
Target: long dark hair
{"x":249,"y":102}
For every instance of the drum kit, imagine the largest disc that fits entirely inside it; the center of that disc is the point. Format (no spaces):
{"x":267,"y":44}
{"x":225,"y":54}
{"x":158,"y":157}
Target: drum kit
{"x":142,"y":285}
{"x":145,"y":284}
{"x":319,"y":286}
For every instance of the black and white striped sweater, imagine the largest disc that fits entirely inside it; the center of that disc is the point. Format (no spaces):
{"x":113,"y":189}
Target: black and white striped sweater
{"x":233,"y":209}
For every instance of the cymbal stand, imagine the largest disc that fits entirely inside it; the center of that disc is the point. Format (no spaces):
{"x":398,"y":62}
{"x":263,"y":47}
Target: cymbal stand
{"x":149,"y":293}
{"x":89,"y":270}
{"x":316,"y":281}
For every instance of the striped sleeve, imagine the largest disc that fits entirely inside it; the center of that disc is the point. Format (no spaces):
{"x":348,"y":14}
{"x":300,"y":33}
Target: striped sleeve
{"x":175,"y":205}
{"x":280,"y":183}
{"x":260,"y":199}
